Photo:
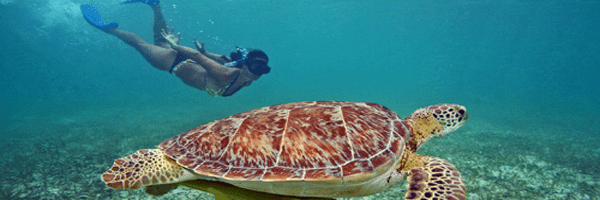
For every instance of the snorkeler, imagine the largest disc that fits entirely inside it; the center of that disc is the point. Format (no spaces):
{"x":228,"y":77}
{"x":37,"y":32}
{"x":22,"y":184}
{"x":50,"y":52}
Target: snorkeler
{"x":216,"y":74}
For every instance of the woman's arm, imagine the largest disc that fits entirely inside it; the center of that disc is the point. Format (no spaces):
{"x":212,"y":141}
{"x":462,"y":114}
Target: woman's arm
{"x":211,"y":66}
{"x":216,"y":57}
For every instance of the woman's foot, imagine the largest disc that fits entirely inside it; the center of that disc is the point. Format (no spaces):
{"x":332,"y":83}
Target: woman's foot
{"x":149,"y":2}
{"x":93,"y":17}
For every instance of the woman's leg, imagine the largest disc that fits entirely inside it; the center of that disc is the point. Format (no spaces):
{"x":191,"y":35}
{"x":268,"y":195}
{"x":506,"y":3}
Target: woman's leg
{"x":159,"y":25}
{"x":159,"y":57}
{"x":193,"y":75}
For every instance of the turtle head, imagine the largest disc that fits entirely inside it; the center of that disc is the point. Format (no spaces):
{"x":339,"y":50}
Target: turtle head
{"x":435,"y":121}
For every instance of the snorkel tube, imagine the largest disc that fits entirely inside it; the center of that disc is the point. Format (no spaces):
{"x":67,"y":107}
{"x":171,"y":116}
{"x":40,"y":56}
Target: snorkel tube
{"x":241,"y":55}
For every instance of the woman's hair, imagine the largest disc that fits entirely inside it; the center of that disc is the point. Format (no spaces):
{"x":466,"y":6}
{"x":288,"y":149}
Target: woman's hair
{"x":257,"y":61}
{"x":256,"y":53}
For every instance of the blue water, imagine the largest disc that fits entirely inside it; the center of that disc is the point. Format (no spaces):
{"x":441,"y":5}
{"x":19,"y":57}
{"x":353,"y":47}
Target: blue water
{"x":527,"y":71}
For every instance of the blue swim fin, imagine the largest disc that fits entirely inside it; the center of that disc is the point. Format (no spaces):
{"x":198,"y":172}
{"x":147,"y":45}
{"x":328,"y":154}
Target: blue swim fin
{"x":149,"y":2}
{"x":93,"y":17}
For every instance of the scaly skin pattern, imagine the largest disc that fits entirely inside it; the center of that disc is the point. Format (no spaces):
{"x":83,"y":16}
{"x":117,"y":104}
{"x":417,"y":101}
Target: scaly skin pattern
{"x":436,"y":179}
{"x":434,"y":121}
{"x":144,"y":167}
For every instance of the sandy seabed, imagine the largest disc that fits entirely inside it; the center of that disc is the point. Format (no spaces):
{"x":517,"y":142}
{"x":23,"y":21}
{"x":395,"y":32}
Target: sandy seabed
{"x":62,"y":157}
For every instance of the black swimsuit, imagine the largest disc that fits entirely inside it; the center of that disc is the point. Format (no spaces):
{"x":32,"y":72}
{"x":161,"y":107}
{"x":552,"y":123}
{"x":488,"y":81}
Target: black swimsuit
{"x":180,"y":58}
{"x":228,"y":90}
{"x":233,"y":91}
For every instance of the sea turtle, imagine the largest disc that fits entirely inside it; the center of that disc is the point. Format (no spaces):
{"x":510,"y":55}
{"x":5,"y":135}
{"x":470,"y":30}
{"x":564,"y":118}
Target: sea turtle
{"x":325,"y":149}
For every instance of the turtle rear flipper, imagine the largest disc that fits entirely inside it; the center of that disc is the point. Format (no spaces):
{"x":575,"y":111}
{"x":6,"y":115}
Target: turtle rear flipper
{"x":437,"y":179}
{"x":143,"y":168}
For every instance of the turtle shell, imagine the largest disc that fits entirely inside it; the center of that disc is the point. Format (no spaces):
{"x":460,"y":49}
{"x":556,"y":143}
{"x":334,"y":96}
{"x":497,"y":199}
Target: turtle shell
{"x":323,"y":148}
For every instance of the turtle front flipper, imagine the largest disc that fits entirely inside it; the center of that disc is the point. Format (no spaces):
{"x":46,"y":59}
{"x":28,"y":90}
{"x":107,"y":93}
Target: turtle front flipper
{"x":143,"y":168}
{"x":436,"y":179}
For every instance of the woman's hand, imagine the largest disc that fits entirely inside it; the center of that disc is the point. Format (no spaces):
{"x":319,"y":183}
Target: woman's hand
{"x":170,"y":36}
{"x":200,"y":46}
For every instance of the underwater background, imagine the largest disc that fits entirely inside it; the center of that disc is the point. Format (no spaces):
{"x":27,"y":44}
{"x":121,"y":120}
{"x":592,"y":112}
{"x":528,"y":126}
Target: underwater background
{"x":75,"y":98}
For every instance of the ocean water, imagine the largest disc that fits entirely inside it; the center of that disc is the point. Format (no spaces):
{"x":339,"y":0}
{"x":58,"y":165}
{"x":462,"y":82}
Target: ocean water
{"x":75,"y":98}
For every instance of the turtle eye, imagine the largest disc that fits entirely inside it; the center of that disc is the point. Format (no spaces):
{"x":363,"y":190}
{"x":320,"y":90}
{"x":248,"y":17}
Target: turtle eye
{"x":463,"y":114}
